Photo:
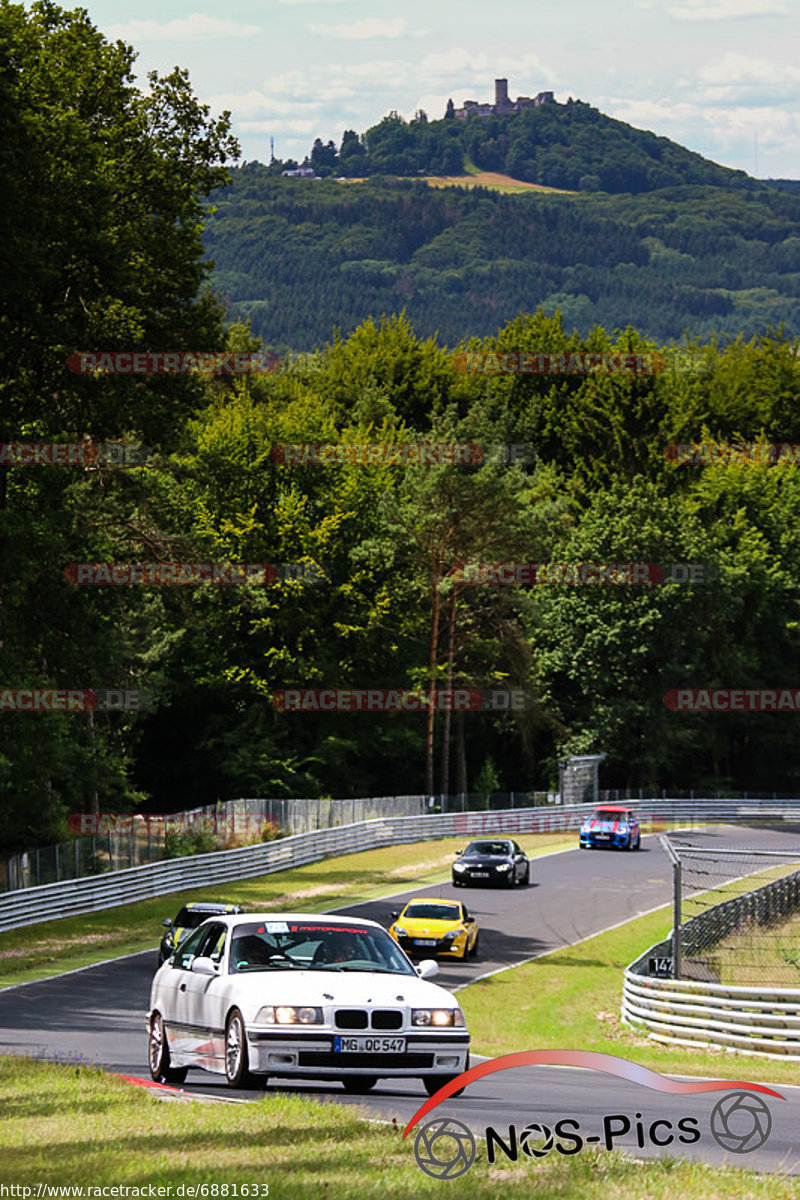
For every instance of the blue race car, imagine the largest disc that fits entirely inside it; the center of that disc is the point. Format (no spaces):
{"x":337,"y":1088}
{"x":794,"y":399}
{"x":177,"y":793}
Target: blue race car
{"x":610,"y":825}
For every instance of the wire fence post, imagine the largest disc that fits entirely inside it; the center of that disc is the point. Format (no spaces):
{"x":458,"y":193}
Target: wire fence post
{"x":677,"y":874}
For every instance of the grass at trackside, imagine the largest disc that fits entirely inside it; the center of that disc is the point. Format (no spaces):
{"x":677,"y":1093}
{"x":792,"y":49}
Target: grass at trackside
{"x":753,"y":955}
{"x":76,"y":1126}
{"x":571,"y":999}
{"x":36,"y":951}
{"x":756,"y":954}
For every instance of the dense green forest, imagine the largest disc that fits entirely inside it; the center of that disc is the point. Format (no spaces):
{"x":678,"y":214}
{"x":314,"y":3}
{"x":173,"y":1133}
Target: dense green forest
{"x":298,"y":258}
{"x":98,"y":194}
{"x":570,"y":145}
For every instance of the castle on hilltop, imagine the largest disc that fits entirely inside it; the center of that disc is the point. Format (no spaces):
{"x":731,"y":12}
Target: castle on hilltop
{"x":502,"y":105}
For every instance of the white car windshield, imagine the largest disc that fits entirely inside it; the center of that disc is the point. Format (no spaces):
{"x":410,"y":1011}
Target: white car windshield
{"x":304,"y":945}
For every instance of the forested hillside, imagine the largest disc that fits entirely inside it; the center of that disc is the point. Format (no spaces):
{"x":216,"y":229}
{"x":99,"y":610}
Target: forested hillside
{"x":109,"y":257}
{"x":571,"y":145}
{"x":298,"y":258}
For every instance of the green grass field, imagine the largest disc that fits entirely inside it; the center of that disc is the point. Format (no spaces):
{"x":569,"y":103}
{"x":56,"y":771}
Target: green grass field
{"x":69,"y":1125}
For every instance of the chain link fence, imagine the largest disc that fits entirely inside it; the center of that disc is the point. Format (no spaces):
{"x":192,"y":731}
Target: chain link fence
{"x":133,"y":840}
{"x":736,"y":915}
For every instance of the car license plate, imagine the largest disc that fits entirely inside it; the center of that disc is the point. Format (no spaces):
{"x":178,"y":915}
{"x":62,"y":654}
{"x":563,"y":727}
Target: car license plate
{"x":369,"y":1045}
{"x":480,"y":874}
{"x":424,"y":941}
{"x":603,"y":837}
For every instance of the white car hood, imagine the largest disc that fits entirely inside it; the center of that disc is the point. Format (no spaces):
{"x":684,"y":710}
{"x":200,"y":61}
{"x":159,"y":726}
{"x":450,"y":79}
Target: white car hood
{"x":340,"y":987}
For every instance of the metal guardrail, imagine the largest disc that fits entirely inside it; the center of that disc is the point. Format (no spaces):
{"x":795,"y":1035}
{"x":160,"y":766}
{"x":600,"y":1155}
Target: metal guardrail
{"x":115,"y":888}
{"x":47,"y":902}
{"x":758,"y":1020}
{"x":131,"y":840}
{"x":753,"y":1020}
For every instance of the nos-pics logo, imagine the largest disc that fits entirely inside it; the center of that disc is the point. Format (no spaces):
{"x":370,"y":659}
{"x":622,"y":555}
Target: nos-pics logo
{"x":446,"y":1148}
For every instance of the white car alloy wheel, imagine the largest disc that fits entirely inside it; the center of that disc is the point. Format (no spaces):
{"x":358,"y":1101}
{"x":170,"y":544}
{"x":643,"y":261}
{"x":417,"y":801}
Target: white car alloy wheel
{"x":237,"y":1070}
{"x":159,"y":1056}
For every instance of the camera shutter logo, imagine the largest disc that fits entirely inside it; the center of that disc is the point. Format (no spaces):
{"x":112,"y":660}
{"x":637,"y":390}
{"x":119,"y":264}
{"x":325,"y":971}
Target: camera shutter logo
{"x":741,"y":1122}
{"x":536,"y":1140}
{"x":444,"y":1148}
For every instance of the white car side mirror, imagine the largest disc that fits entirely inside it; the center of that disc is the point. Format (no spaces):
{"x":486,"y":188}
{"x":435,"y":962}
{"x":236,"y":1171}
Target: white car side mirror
{"x":428,"y":968}
{"x":203,"y":966}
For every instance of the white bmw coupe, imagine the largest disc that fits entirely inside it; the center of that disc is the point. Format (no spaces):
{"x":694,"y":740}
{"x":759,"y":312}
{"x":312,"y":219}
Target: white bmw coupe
{"x":301,"y":995}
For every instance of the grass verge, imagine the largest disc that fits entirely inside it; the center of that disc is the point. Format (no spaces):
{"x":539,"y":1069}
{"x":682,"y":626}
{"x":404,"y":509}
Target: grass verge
{"x":76,"y":1126}
{"x":37,"y":951}
{"x":571,"y":998}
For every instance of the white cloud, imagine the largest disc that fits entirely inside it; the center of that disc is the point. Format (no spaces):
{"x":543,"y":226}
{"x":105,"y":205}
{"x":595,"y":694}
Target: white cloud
{"x":255,"y":104}
{"x":726,"y":10}
{"x":358,"y":94}
{"x":743,"y":80}
{"x":725,"y":134}
{"x":370,"y":27}
{"x":198,"y":25}
{"x":298,"y":126}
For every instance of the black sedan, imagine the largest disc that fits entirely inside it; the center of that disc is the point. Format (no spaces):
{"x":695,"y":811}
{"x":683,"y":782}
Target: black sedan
{"x":499,"y":862}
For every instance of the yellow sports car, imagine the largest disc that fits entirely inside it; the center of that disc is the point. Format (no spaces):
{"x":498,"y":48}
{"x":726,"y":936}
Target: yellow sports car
{"x":442,"y":927}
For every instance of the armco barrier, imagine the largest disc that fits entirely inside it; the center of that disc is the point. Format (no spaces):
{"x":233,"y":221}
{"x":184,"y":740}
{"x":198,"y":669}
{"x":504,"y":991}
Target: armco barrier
{"x":752,"y":1020}
{"x":759,"y":1020}
{"x":32,"y":905}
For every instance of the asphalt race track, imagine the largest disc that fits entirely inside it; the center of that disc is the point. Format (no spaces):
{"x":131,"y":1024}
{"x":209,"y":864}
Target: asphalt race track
{"x":97,"y":1015}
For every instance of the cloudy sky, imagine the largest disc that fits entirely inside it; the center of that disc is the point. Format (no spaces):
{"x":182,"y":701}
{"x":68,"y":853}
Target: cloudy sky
{"x":719,"y":76}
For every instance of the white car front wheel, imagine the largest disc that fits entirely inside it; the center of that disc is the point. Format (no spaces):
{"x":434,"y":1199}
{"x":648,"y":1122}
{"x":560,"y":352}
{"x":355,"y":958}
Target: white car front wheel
{"x":237,"y":1059}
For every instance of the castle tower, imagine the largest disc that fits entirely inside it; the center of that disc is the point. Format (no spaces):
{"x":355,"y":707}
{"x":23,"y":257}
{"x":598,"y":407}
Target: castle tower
{"x":501,"y":94}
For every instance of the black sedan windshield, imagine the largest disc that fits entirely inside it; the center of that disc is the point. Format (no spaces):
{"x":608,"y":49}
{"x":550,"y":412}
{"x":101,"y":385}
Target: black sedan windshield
{"x":487,"y":849}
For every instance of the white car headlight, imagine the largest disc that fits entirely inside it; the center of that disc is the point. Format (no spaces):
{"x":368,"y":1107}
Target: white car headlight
{"x":399,"y":929}
{"x":503,"y":867}
{"x":437,"y":1016}
{"x":290,"y":1014}
{"x":459,"y":867}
